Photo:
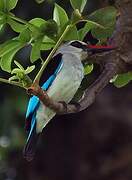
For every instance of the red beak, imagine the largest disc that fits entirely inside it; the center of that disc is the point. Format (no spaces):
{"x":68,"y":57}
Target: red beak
{"x":99,"y":48}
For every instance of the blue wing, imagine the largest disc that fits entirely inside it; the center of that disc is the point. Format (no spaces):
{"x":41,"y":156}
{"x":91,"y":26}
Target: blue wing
{"x":33,"y":105}
{"x":34,"y":101}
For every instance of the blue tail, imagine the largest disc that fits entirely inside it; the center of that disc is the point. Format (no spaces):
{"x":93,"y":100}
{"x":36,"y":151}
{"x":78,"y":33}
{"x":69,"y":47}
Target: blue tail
{"x":31,"y":144}
{"x":33,"y":105}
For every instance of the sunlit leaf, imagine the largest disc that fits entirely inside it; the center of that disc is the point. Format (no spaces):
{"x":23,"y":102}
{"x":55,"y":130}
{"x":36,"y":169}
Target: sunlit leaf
{"x":16,"y":70}
{"x":8,"y":46}
{"x":18,"y":65}
{"x":29,"y":69}
{"x":16,"y":26}
{"x":11,"y":4}
{"x":123,"y":79}
{"x":72,"y":35}
{"x":37,"y":21}
{"x":3,"y":19}
{"x":47,"y":43}
{"x":13,"y":78}
{"x":25,"y":35}
{"x":1,"y":27}
{"x":60,"y":16}
{"x":88,"y":69}
{"x":7,"y":58}
{"x":35,"y":26}
{"x":78,"y":4}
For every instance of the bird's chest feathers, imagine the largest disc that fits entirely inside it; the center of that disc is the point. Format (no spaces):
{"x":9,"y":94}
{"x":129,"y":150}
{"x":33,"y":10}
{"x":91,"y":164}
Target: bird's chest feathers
{"x":68,"y":80}
{"x":63,"y":88}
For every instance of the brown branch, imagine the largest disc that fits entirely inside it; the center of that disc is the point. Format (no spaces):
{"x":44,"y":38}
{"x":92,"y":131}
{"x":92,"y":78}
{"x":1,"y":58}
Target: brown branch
{"x":87,"y":99}
{"x":58,"y":107}
{"x":114,"y":62}
{"x":90,"y":94}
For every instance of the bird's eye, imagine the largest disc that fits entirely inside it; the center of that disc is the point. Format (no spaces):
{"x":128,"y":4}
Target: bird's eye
{"x":77,"y":44}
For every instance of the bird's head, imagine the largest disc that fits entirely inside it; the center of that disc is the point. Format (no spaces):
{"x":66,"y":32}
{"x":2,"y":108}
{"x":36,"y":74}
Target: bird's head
{"x":83,"y":49}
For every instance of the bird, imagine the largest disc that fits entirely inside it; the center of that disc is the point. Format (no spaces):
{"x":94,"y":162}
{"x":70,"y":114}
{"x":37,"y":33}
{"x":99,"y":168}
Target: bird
{"x":60,"y":86}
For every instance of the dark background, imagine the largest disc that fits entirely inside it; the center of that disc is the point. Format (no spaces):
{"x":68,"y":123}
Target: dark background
{"x":95,"y":144}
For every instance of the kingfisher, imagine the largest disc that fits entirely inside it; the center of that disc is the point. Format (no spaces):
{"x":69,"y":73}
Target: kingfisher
{"x":62,"y":85}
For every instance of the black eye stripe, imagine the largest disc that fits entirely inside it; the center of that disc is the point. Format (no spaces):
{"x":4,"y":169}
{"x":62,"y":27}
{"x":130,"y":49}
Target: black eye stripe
{"x":77,"y":44}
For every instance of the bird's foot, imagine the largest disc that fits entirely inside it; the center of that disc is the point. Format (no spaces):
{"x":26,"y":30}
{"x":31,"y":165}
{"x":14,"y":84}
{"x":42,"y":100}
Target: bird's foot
{"x":76,"y":104}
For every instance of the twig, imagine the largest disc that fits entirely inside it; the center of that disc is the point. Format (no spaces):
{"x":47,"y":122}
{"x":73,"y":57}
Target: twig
{"x":2,"y":80}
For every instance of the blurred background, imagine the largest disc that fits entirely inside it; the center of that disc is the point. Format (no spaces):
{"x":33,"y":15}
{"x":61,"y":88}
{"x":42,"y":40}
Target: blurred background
{"x":95,"y":144}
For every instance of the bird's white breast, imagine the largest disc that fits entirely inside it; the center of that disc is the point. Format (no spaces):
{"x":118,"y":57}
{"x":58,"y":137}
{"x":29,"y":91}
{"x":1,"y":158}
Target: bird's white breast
{"x":63,"y":88}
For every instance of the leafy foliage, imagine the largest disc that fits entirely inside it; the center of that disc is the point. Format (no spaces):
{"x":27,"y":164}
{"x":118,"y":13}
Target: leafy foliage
{"x":8,"y":51}
{"x":122,"y":79}
{"x":88,"y":69}
{"x":20,"y":74}
{"x":60,"y":16}
{"x":8,"y":5}
{"x":105,"y":17}
{"x":27,"y":34}
{"x":43,"y":34}
{"x":78,"y":4}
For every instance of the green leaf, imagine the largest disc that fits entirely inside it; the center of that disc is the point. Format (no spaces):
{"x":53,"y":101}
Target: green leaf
{"x":78,"y":4}
{"x":18,"y":65}
{"x":72,"y":35}
{"x":88,"y":26}
{"x":39,"y":1}
{"x":47,"y":43}
{"x":49,"y":28}
{"x":60,"y":16}
{"x":88,"y":69}
{"x":2,"y":5}
{"x":29,"y":69}
{"x":13,"y":78}
{"x":105,"y":17}
{"x":11,"y":4}
{"x":123,"y":79}
{"x":7,"y":58}
{"x":35,"y":52}
{"x":103,"y":34}
{"x":3,"y":19}
{"x":35,"y":26}
{"x":16,"y":26}
{"x":1,"y":27}
{"x":16,"y":70}
{"x":25,"y":35}
{"x":8,"y":46}
{"x":7,"y":5}
{"x":46,"y":46}
{"x":37,"y":22}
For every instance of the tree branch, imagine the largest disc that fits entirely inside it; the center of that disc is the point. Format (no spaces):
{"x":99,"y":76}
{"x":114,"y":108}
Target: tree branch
{"x":114,"y":62}
{"x":87,"y":99}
